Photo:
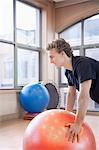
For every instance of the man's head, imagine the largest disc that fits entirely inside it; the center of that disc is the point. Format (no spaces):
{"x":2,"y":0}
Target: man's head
{"x":59,"y":51}
{"x":61,"y":45}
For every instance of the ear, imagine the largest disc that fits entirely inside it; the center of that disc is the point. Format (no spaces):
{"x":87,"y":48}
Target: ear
{"x":62,"y":53}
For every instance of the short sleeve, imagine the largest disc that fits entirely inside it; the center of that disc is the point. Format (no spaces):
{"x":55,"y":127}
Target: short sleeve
{"x":69,"y":77}
{"x":85,"y":71}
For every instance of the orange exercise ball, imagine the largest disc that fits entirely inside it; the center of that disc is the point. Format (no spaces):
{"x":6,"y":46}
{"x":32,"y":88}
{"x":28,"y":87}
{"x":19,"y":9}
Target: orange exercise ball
{"x":47,"y":132}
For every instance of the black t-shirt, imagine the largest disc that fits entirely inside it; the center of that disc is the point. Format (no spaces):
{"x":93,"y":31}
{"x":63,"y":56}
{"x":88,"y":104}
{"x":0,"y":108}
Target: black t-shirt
{"x":84,"y":68}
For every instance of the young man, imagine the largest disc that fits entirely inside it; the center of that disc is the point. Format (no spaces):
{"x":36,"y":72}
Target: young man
{"x":82,"y":74}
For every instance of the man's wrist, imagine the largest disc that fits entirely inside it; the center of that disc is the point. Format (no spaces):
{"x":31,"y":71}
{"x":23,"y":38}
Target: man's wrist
{"x":78,"y":121}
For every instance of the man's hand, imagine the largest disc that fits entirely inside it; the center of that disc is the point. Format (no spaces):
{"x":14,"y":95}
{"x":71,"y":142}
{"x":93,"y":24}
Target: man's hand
{"x":73,"y":132}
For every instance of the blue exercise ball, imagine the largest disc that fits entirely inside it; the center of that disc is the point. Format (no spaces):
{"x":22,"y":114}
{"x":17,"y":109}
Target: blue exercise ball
{"x":34,"y":98}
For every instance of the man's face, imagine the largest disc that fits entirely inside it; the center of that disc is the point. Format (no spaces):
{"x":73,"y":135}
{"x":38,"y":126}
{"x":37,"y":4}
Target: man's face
{"x":56,"y":58}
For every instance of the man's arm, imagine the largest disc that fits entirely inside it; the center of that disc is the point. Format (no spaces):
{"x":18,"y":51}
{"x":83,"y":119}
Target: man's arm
{"x":74,"y":130}
{"x":83,"y":101}
{"x":70,"y":98}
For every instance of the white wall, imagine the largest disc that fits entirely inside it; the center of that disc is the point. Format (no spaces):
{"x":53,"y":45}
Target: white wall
{"x":52,"y":20}
{"x":9,"y":104}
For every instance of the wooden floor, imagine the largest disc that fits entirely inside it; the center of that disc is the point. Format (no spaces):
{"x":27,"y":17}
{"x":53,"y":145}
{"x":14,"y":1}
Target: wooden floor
{"x":11,"y":132}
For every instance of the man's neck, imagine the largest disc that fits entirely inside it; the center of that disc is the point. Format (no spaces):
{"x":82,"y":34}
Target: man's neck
{"x":68,"y":63}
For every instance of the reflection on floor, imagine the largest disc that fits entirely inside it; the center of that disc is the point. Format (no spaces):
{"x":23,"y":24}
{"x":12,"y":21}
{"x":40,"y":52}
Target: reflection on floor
{"x":11,"y":132}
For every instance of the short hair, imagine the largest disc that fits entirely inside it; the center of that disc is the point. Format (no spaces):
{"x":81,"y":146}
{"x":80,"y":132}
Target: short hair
{"x":60,"y":45}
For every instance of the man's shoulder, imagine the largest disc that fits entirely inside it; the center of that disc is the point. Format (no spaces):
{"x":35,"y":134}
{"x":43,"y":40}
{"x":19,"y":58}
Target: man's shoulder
{"x":82,"y":61}
{"x":77,"y":59}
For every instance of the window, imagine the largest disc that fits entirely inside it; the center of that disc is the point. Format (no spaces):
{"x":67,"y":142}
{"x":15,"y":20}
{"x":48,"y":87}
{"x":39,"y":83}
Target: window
{"x":28,"y":34}
{"x":19,"y":43}
{"x":84,"y":39}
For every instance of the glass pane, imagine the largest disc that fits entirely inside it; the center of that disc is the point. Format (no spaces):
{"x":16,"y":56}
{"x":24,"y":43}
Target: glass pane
{"x":6,"y":20}
{"x":6,"y":65}
{"x":97,"y":106}
{"x":91,"y":30}
{"x":72,"y":35}
{"x":63,"y":77}
{"x":28,"y":66}
{"x":76,"y":52}
{"x":93,"y":53}
{"x":63,"y":94}
{"x":27,"y":23}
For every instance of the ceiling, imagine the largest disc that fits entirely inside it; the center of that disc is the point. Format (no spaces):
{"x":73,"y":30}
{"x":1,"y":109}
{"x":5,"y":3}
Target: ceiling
{"x":58,"y":0}
{"x":69,"y":2}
